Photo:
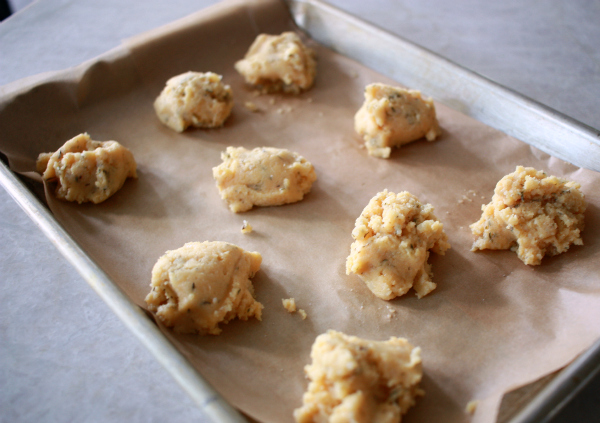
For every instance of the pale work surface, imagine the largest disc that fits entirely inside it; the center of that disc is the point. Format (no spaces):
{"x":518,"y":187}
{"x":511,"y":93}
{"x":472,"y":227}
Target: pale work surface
{"x":92,"y":369}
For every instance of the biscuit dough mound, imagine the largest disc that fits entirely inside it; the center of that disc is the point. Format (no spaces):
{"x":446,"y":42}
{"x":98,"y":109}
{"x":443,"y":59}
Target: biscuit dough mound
{"x":263,"y":176}
{"x":393,"y":237}
{"x":87,"y":170}
{"x":533,"y":214}
{"x":361,"y":381}
{"x":277,"y":63}
{"x":194,"y":99}
{"x":392,"y":116}
{"x":202,"y":284}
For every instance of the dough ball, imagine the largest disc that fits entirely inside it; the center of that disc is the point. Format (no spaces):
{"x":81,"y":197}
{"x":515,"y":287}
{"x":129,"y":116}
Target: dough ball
{"x":196,"y":99}
{"x":279,"y":63}
{"x":392,"y":116}
{"x":87,"y":170}
{"x":202,"y":284}
{"x":533,"y":214}
{"x":262,"y":177}
{"x":356,"y":380}
{"x":392,"y":239}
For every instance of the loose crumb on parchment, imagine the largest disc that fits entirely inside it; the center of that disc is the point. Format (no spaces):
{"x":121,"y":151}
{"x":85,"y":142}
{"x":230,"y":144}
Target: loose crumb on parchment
{"x":290,"y":305}
{"x":466,"y":198}
{"x":251,"y":106}
{"x":246,"y":227}
{"x":472,"y":406}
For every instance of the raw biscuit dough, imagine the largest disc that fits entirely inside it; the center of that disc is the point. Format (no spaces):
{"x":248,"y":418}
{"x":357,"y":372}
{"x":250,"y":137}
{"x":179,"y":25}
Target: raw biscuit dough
{"x":202,"y":284}
{"x":361,"y":381}
{"x":392,"y":116}
{"x":263,"y":176}
{"x":393,"y":237}
{"x":196,"y":99}
{"x":533,"y":214}
{"x":87,"y":170}
{"x":279,"y":63}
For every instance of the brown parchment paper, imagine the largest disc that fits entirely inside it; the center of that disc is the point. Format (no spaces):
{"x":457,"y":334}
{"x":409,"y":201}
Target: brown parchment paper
{"x":492,"y":325}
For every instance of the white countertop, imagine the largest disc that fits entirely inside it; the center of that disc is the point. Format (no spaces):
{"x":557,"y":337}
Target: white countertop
{"x":64,"y":356}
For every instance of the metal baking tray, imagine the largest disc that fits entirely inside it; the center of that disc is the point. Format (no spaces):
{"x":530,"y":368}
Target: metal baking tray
{"x":449,"y":84}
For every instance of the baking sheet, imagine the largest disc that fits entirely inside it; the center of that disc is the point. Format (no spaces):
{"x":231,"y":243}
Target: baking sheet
{"x":493,"y":323}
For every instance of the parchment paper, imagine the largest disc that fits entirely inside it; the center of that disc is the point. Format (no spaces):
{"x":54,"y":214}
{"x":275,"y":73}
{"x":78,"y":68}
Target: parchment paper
{"x":493,"y":323}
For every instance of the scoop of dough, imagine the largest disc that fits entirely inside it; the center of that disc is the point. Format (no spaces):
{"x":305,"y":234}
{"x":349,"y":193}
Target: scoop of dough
{"x":87,"y":170}
{"x":196,"y":99}
{"x":355,"y":380}
{"x":393,"y":116}
{"x":533,"y":214}
{"x":202,"y":284}
{"x":262,"y":177}
{"x":279,"y":63}
{"x":393,"y":237}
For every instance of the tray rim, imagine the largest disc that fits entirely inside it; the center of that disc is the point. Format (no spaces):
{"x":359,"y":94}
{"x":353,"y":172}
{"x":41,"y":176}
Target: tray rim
{"x":546,"y":403}
{"x":573,"y":377}
{"x":134,"y":317}
{"x":473,"y":94}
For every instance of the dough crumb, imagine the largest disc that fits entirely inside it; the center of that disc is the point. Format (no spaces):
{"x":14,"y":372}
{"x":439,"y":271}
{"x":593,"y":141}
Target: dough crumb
{"x":472,"y":407}
{"x":393,"y":116}
{"x":357,"y":380}
{"x":284,"y":109}
{"x":392,"y":240}
{"x":86,"y":170}
{"x":251,"y":106}
{"x":271,"y":101}
{"x":194,"y":99}
{"x":289,"y":304}
{"x":279,"y":63}
{"x":391,"y":312}
{"x":533,"y":214}
{"x":264,"y":176}
{"x":203,"y":284}
{"x":246,"y":227}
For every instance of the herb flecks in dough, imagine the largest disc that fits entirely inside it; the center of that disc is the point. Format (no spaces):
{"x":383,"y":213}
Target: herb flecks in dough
{"x":533,"y":214}
{"x":393,"y":116}
{"x":279,"y":63}
{"x":393,"y":237}
{"x":194,"y":99}
{"x":203,"y":284}
{"x":356,"y":380}
{"x":87,"y":170}
{"x":263,"y":176}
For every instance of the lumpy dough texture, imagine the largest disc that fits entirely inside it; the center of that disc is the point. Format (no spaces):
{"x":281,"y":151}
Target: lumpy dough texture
{"x":202,"y":284}
{"x":392,"y":116}
{"x":393,"y":237}
{"x":87,"y":170}
{"x":194,"y":99}
{"x":263,"y":176}
{"x":279,"y":63}
{"x":533,"y":214}
{"x":361,"y":381}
